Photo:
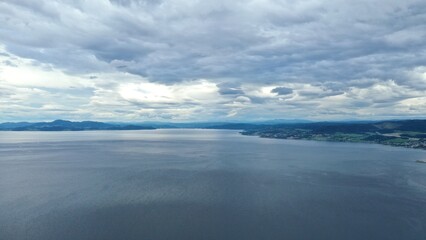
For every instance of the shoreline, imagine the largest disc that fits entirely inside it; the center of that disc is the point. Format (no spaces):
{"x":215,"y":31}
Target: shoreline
{"x":418,"y":147}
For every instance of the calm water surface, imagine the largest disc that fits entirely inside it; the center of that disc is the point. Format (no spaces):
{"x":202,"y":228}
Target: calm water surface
{"x":205,"y":184}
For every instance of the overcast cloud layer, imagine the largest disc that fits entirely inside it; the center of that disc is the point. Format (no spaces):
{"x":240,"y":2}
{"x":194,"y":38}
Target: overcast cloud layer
{"x":192,"y":60}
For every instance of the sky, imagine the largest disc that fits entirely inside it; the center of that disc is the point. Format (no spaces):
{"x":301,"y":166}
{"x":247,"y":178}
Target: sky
{"x":205,"y":60}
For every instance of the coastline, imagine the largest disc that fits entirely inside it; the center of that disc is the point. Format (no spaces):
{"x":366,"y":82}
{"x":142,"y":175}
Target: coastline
{"x":412,"y":145}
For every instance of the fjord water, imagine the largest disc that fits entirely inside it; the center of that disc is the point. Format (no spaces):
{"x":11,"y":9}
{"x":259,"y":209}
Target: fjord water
{"x":206,"y":184}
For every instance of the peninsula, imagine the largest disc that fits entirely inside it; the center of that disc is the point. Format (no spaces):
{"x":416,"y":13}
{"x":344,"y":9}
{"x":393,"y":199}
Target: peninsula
{"x":403,"y":133}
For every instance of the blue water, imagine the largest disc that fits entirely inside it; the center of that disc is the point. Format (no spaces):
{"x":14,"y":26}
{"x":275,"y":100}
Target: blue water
{"x":206,"y":184}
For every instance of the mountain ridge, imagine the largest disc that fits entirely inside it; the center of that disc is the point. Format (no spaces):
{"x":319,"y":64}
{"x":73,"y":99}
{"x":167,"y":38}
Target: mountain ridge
{"x":66,"y":125}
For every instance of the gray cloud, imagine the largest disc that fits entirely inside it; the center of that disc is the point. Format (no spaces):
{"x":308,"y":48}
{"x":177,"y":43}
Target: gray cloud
{"x":186,"y":39}
{"x":9,"y":63}
{"x":318,"y":49}
{"x":282,"y":90}
{"x":230,"y":89}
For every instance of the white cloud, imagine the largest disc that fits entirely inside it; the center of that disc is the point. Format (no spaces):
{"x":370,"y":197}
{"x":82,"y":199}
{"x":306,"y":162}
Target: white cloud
{"x":21,"y":72}
{"x":200,"y":91}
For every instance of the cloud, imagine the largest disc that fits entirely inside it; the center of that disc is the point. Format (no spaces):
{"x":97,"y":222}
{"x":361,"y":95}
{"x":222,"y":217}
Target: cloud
{"x":282,"y":90}
{"x":198,"y":92}
{"x":188,"y":59}
{"x":230,"y":89}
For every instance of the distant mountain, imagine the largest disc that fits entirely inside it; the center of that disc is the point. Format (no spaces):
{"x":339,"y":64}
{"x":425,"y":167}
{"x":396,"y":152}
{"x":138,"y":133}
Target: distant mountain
{"x":282,"y":121}
{"x":383,"y":127}
{"x":64,"y":125}
{"x":173,"y":124}
{"x":218,"y":125}
{"x":237,"y":126}
{"x":12,"y":125}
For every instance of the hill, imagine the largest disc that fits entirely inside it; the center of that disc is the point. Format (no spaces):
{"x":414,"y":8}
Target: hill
{"x":64,"y":125}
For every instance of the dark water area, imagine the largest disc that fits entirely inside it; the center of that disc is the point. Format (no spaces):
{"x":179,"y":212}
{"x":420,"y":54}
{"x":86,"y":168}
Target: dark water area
{"x":206,"y":184}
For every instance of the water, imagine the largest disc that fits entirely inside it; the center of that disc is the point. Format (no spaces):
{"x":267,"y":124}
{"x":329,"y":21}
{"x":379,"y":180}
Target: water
{"x":205,"y":184}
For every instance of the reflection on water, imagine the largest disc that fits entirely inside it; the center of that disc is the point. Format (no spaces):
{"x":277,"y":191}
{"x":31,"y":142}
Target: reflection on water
{"x":205,"y":184}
